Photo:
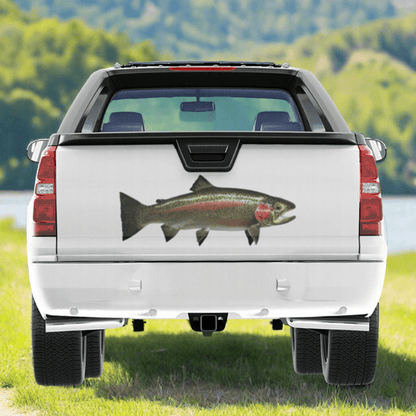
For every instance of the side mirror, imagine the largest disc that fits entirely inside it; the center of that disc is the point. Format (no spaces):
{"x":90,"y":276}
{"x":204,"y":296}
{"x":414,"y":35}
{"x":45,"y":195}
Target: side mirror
{"x":35,"y":148}
{"x":378,"y":149}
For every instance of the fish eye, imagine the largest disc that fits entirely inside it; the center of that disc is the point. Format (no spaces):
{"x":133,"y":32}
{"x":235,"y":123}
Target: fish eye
{"x":278,"y":207}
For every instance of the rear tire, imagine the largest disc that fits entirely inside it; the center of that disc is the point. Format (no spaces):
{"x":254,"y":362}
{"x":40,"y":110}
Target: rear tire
{"x":306,"y":351}
{"x":95,"y":354}
{"x":349,"y":358}
{"x":58,"y":357}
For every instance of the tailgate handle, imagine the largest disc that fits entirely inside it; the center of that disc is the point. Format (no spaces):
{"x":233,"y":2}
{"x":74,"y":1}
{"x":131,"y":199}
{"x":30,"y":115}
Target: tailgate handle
{"x":206,"y":152}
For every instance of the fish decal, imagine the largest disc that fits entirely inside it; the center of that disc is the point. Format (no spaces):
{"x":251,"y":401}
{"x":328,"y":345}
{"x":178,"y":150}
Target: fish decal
{"x":206,"y":208}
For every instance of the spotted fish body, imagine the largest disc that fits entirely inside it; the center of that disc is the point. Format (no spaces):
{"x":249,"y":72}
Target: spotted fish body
{"x":206,"y":208}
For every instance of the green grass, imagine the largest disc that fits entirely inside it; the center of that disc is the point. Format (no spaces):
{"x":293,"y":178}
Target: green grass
{"x":170,"y":370}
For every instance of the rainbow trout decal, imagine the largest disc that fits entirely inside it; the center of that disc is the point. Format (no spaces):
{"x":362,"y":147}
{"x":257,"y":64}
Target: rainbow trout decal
{"x":206,"y":208}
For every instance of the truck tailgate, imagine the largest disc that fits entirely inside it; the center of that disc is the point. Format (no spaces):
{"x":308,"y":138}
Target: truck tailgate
{"x":322,"y":181}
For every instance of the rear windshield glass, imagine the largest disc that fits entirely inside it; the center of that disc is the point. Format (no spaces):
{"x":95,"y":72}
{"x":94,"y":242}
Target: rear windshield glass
{"x":205,"y":109}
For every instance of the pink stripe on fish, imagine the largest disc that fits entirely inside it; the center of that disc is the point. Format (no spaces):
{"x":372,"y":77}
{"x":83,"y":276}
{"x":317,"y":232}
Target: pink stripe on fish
{"x":206,"y":206}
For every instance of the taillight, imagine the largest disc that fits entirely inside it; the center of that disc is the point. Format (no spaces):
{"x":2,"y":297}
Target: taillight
{"x":371,"y":210}
{"x":44,"y":208}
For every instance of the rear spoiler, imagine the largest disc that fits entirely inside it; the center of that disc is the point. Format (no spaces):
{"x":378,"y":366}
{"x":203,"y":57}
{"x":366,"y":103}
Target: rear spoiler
{"x":244,"y":137}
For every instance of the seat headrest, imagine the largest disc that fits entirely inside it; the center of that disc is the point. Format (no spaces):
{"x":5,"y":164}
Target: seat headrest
{"x":124,"y":121}
{"x":292,"y":126}
{"x":276,"y":117}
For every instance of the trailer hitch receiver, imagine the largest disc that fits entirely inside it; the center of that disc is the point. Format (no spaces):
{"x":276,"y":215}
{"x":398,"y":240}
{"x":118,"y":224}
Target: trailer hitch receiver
{"x":208,"y":323}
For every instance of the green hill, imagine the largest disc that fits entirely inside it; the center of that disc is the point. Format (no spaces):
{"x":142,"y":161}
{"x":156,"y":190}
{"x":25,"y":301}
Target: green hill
{"x":43,"y":64}
{"x":192,"y":29}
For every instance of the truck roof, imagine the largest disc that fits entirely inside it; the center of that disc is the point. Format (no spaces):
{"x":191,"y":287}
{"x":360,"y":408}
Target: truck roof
{"x":202,"y":63}
{"x":200,"y":74}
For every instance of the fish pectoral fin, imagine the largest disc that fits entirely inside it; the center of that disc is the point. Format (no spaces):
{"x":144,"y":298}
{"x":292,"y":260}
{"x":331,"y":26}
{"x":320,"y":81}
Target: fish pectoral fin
{"x":201,"y":235}
{"x":250,"y":240}
{"x":160,"y":201}
{"x":201,"y":183}
{"x":253,"y":233}
{"x":169,"y":232}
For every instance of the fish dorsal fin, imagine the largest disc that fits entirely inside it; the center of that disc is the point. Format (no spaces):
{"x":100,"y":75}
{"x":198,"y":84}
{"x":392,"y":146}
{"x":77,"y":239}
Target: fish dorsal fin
{"x":201,"y":183}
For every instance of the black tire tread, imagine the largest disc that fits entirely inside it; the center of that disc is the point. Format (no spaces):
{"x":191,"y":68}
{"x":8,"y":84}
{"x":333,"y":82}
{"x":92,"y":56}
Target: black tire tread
{"x":352,"y":355}
{"x":307,"y":351}
{"x":95,"y":354}
{"x":57,"y":357}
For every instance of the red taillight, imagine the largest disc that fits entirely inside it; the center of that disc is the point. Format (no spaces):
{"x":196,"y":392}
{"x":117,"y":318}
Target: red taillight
{"x":44,"y":207}
{"x":202,"y":68}
{"x":371,"y":209}
{"x":46,"y":169}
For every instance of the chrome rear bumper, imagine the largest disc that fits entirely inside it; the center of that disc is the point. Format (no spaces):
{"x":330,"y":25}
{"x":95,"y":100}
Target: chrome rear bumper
{"x":346,"y":324}
{"x":82,"y":324}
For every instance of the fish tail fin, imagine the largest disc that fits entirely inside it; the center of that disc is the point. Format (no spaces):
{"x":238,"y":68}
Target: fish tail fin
{"x":132,"y":215}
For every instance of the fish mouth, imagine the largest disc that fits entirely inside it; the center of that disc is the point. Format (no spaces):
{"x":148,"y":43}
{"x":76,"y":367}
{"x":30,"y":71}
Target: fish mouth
{"x":282,"y":218}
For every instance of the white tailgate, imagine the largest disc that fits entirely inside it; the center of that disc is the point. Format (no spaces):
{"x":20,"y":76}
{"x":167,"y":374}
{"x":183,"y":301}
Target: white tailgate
{"x":321,"y":180}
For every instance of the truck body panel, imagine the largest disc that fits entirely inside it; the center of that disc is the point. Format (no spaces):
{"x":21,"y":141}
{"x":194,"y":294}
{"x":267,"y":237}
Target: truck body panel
{"x":322,"y":181}
{"x":244,"y":290}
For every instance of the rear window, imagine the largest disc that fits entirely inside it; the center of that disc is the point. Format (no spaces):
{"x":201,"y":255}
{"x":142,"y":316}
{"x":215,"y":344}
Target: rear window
{"x":204,"y":109}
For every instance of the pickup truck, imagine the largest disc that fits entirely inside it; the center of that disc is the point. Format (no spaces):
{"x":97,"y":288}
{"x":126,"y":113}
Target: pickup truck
{"x":206,"y":191}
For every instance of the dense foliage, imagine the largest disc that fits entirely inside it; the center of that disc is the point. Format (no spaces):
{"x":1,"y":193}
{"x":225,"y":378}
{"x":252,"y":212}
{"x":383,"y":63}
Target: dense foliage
{"x":43,"y":64}
{"x":195,"y":28}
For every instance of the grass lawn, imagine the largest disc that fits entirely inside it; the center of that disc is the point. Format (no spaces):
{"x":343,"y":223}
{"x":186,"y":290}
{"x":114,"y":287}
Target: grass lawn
{"x":170,"y":370}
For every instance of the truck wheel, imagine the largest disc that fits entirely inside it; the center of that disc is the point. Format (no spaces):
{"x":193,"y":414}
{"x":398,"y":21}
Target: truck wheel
{"x":95,"y":354}
{"x":349,"y":358}
{"x":306,"y":351}
{"x":58,"y":357}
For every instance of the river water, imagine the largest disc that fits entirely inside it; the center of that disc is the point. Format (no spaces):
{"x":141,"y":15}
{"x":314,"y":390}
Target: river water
{"x":399,"y":212}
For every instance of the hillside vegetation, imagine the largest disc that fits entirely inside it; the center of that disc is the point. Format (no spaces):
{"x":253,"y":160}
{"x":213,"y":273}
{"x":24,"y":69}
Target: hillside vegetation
{"x":194,"y":28}
{"x":43,"y":64}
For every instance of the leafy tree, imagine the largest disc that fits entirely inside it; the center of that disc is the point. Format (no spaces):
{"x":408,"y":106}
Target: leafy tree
{"x":44,"y":63}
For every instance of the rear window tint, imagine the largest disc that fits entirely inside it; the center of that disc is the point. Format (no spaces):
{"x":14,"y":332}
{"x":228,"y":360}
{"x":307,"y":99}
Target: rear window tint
{"x":203,"y":109}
